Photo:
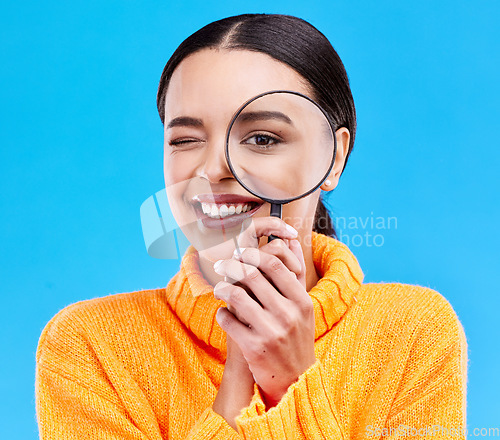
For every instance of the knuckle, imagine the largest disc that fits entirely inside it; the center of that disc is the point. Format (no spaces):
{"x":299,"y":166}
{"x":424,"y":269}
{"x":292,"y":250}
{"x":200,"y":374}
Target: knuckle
{"x":278,"y":244}
{"x":275,"y":264}
{"x":277,"y":247}
{"x":278,"y":338}
{"x":306,"y":306}
{"x":290,"y":320}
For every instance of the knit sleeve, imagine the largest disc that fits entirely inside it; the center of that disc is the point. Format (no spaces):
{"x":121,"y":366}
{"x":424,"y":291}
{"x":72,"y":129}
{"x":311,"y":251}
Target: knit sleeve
{"x":425,"y":393}
{"x":75,"y":396}
{"x":212,"y":426}
{"x":435,"y":414}
{"x":84,"y":395}
{"x":306,"y":411}
{"x":69,"y":410}
{"x":431,"y":401}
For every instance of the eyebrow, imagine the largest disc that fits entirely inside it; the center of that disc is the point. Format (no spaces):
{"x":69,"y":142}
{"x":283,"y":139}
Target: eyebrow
{"x":185,"y":121}
{"x":264,"y":115}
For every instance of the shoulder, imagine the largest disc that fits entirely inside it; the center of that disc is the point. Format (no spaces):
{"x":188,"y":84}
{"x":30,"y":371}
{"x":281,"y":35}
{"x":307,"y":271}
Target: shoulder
{"x":415,"y":320}
{"x":397,"y":315}
{"x":416,"y":328}
{"x":412,"y":305}
{"x":81,"y":324}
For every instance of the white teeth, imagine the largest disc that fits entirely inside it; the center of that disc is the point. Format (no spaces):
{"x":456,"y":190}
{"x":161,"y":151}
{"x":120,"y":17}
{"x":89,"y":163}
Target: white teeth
{"x":214,"y":211}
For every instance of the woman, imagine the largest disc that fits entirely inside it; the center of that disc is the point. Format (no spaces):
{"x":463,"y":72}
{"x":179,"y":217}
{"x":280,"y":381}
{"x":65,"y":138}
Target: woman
{"x":319,"y":356}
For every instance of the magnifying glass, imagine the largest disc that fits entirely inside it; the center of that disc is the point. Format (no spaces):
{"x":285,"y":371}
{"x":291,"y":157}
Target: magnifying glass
{"x":280,"y":146}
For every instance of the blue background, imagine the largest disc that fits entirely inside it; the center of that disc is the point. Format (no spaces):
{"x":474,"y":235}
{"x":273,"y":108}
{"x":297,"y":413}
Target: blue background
{"x":81,"y":149}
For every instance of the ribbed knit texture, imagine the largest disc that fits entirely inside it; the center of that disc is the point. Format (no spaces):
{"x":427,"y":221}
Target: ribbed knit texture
{"x":148,"y":364}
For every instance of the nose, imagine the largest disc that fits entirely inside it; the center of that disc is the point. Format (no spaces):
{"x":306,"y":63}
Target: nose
{"x":214,"y":167}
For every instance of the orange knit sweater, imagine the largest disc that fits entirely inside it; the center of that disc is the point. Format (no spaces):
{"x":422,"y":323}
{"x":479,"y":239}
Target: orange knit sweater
{"x":391,"y":360}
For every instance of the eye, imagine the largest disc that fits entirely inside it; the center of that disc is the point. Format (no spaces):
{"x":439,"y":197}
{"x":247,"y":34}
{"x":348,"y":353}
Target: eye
{"x":184,"y":142}
{"x":262,"y":140}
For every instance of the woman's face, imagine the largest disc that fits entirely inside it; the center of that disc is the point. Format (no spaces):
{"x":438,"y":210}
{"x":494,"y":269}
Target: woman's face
{"x":204,"y":92}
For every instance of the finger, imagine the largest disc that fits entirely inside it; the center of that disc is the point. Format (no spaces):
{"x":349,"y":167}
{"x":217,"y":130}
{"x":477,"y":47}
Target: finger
{"x":246,"y":310}
{"x":254,"y":228}
{"x":236,"y":330}
{"x":235,"y":313}
{"x":237,"y":283}
{"x":270,"y":296}
{"x":272,"y":267}
{"x":281,"y":250}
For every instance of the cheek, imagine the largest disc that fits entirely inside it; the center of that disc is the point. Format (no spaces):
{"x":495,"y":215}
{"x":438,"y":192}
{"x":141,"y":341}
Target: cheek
{"x":176,"y":181}
{"x":176,"y":184}
{"x":176,"y":168}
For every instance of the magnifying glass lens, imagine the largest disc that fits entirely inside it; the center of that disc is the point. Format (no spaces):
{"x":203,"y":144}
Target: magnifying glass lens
{"x":280,"y":146}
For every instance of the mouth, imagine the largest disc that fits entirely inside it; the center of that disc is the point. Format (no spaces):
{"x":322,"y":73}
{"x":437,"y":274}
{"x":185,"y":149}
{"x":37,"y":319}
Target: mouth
{"x":224,"y":211}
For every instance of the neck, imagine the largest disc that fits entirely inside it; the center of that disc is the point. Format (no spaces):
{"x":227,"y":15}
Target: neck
{"x":312,"y":276}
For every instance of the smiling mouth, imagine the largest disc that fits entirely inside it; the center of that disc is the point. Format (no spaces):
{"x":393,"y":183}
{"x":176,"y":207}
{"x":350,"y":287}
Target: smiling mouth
{"x":224,"y":210}
{"x":213,"y":210}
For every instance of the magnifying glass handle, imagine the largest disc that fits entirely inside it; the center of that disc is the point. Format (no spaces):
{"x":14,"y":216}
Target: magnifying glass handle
{"x":275,"y":212}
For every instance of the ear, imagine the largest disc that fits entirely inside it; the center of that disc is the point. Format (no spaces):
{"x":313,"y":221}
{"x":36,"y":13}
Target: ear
{"x":343,"y":137}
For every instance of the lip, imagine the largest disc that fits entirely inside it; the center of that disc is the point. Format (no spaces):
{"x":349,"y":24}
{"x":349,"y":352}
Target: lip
{"x":223,"y":199}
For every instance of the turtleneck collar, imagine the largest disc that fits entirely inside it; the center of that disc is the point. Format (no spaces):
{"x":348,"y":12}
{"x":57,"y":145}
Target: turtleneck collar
{"x":191,"y":296}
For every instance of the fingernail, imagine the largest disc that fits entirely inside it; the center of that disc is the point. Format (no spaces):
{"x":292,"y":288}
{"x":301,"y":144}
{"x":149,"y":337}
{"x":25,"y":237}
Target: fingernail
{"x":218,"y":293}
{"x":292,"y":230}
{"x":217,"y":315}
{"x":217,"y":265}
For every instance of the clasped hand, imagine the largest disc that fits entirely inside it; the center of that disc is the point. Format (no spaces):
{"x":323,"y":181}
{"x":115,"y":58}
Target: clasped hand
{"x":276,"y":334}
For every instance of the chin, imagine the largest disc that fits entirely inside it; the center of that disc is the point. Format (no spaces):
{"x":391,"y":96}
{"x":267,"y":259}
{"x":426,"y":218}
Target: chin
{"x":222,"y":251}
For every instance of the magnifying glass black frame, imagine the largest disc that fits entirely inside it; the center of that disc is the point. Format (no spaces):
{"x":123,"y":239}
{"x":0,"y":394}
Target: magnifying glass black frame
{"x":276,"y":204}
